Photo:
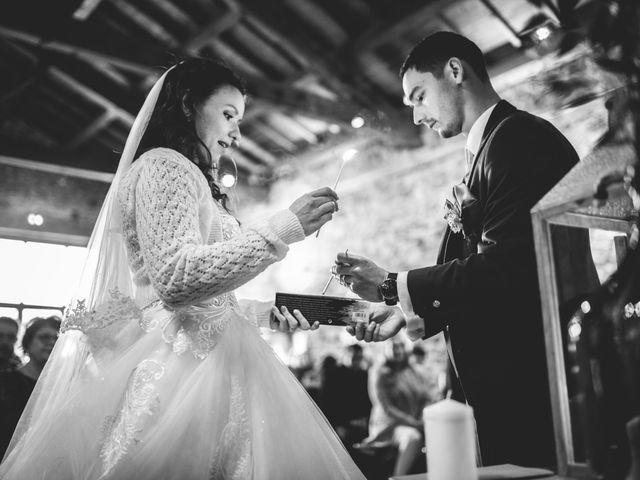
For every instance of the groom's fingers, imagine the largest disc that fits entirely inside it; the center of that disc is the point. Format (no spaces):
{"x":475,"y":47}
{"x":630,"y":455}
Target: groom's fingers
{"x":348,"y":258}
{"x":368,"y":333}
{"x":342,"y":269}
{"x":359,"y":330}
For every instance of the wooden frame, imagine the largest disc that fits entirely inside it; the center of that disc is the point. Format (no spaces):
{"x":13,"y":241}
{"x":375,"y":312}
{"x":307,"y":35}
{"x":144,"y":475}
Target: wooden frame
{"x":571,"y":203}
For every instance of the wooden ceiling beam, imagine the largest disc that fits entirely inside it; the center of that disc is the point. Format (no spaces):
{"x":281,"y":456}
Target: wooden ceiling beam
{"x":252,"y":148}
{"x":129,"y":65}
{"x":146,"y":23}
{"x":56,"y":168}
{"x":382,"y":33}
{"x":86,"y":8}
{"x":248,"y":165}
{"x":215,"y":28}
{"x":334,"y":71}
{"x":318,"y":19}
{"x":90,"y":130}
{"x":276,"y":137}
{"x":59,"y":160}
{"x":177,"y":15}
{"x":286,"y":123}
{"x":84,"y":91}
{"x":510,"y":32}
{"x":267,"y":53}
{"x":234,"y":58}
{"x":301,"y":102}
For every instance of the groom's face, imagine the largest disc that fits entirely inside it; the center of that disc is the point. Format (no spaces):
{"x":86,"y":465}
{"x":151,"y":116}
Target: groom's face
{"x":436,"y":102}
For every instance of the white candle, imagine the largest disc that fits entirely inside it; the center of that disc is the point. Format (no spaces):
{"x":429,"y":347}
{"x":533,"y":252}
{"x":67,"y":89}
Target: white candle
{"x":451,"y":441}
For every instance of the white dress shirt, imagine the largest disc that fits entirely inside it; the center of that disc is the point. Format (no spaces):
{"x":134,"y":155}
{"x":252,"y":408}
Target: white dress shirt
{"x":415,"y":323}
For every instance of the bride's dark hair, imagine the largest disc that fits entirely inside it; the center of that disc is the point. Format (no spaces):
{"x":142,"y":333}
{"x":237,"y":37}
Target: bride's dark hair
{"x":187,"y":85}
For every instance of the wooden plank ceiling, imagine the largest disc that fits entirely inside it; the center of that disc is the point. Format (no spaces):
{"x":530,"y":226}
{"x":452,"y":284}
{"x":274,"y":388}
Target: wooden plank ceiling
{"x":75,"y":72}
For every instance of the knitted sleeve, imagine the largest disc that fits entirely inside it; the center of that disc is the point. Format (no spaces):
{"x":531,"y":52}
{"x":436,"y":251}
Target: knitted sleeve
{"x":181,"y":267}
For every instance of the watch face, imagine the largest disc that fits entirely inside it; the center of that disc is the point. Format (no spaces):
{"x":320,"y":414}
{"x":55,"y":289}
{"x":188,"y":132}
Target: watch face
{"x":388,"y":288}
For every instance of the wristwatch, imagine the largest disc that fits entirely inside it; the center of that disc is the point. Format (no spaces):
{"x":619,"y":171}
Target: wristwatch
{"x":389,"y":289}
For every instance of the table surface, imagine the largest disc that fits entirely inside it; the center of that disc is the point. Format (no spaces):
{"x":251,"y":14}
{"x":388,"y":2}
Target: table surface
{"x":498,"y":472}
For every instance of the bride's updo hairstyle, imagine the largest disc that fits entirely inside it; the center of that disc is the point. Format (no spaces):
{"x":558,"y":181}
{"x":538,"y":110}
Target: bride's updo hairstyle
{"x":172,"y":125}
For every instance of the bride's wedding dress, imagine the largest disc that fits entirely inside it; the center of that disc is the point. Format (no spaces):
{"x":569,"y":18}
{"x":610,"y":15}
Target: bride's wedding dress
{"x":172,"y":380}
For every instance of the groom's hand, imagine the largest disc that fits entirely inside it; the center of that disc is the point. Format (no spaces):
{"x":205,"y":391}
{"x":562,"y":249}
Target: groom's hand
{"x":384,"y":323}
{"x":361,"y":275}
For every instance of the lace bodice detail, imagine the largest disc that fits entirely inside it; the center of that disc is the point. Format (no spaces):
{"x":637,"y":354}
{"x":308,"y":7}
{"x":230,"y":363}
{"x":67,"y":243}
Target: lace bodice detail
{"x":173,"y":233}
{"x":187,"y":255}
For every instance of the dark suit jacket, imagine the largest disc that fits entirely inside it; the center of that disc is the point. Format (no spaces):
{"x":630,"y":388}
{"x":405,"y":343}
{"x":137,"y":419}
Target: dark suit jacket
{"x":486,"y":287}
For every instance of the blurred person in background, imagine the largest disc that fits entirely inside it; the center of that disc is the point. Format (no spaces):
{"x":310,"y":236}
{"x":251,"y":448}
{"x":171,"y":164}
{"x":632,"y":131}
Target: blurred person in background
{"x":8,"y":337}
{"x":356,"y":402}
{"x":9,"y":363}
{"x":17,"y":384}
{"x":398,"y":395}
{"x":37,"y":343}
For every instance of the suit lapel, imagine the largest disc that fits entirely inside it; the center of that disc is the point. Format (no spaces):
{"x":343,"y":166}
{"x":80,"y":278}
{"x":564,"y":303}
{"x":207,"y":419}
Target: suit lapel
{"x":503,"y":110}
{"x":451,"y":245}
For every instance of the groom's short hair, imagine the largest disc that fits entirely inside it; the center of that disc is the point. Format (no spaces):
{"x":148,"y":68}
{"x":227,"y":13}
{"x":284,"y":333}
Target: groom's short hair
{"x":431,"y":54}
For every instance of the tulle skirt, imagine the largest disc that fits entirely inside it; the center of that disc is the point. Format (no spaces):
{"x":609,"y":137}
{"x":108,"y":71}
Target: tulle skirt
{"x":150,"y":411}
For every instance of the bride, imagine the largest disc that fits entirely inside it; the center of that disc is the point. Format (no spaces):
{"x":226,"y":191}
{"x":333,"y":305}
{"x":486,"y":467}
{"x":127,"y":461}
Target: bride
{"x":161,"y":372}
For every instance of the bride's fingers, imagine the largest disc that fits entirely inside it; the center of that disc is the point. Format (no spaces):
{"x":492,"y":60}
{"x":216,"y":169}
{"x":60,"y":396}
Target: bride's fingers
{"x":290,"y":323}
{"x":275,"y":318}
{"x":304,"y":323}
{"x":315,"y":326}
{"x":281,"y":322}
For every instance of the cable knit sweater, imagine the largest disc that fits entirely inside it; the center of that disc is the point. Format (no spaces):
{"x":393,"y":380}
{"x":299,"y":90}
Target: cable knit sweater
{"x":174,"y":236}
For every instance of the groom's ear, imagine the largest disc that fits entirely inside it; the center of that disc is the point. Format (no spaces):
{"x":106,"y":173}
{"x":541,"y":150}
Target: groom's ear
{"x":455,"y":69}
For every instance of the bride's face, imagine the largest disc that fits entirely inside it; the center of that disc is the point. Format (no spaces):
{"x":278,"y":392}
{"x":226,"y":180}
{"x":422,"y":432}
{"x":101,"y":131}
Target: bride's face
{"x":217,"y":120}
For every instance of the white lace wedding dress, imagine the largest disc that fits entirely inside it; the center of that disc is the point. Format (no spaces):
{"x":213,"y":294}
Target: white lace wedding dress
{"x":174,"y":381}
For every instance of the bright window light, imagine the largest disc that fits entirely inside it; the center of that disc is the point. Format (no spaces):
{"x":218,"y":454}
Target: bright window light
{"x":39,"y":273}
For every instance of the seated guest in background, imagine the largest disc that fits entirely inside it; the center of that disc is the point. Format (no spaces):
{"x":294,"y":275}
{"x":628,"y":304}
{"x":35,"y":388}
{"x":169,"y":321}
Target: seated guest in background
{"x":38,"y":341}
{"x":352,"y":399}
{"x":357,"y":402}
{"x":16,"y":385}
{"x":417,"y":356}
{"x":8,"y":336}
{"x":398,"y":395}
{"x":434,"y":377}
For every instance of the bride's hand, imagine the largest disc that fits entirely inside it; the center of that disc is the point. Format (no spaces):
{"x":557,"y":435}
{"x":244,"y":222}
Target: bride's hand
{"x":314,"y":209}
{"x":283,"y":321}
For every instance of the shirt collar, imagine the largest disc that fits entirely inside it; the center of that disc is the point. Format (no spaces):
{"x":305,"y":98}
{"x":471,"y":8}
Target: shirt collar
{"x":477,"y":129}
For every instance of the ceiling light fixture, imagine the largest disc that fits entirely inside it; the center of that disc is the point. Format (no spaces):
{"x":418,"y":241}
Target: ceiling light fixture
{"x":357,"y":122}
{"x":35,"y":219}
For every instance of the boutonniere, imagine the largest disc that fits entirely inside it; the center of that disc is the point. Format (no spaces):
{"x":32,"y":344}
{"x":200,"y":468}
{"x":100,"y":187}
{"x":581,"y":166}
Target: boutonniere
{"x":462,"y":213}
{"x":453,"y":216}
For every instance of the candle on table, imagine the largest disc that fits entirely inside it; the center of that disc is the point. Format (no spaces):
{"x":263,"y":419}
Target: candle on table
{"x":450,"y":438}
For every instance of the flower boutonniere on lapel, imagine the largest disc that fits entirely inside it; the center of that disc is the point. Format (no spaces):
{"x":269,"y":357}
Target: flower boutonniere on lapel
{"x":462,"y":213}
{"x":453,"y":216}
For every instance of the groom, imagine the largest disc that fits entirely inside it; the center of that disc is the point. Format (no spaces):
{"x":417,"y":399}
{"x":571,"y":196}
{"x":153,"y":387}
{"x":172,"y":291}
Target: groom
{"x":483,"y":292}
